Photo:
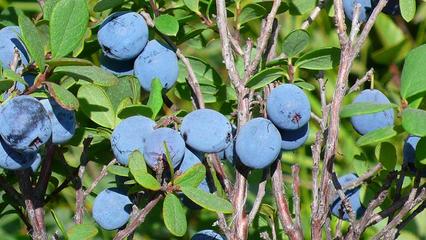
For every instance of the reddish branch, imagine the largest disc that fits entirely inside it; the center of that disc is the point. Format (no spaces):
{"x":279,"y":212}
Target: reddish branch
{"x":79,"y":209}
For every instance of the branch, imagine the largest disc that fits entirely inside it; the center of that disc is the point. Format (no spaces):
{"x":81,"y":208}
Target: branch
{"x":79,"y":193}
{"x":367,"y":77}
{"x":139,"y":219}
{"x":101,"y":175}
{"x":295,"y":169}
{"x":259,"y":197}
{"x":283,"y":211}
{"x":45,"y":172}
{"x":313,"y":15}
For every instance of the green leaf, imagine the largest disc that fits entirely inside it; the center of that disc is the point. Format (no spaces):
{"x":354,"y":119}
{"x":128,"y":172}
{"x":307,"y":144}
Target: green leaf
{"x":207,"y":200}
{"x":96,"y":105}
{"x":118,"y":92}
{"x":169,"y":160}
{"x":174,"y":215}
{"x":118,"y":170}
{"x":82,"y":231}
{"x":135,"y":110}
{"x":107,"y":4}
{"x":295,"y":42}
{"x":68,"y":62}
{"x":264,"y":77}
{"x":62,"y":96}
{"x":414,"y":121}
{"x":386,"y":154}
{"x":305,"y":85}
{"x":48,"y":8}
{"x":376,"y":136}
{"x":89,"y":73}
{"x":167,"y":24}
{"x":155,"y":101}
{"x":192,"y":177}
{"x":59,"y":223}
{"x":139,"y":171}
{"x":408,"y":9}
{"x":421,"y":152}
{"x":251,"y":12}
{"x":8,"y":74}
{"x":32,"y":39}
{"x":413,"y":78}
{"x":192,"y":5}
{"x":321,"y":59}
{"x":362,"y":108}
{"x":68,"y":25}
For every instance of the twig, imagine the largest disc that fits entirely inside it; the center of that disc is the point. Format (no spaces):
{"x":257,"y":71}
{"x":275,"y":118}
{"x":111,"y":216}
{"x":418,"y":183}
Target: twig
{"x":295,"y":170}
{"x":139,"y":218}
{"x":355,"y":22}
{"x":345,"y":200}
{"x":259,"y":197}
{"x":313,"y":15}
{"x":283,"y":211}
{"x":367,"y":77}
{"x":45,"y":172}
{"x":101,"y":175}
{"x":223,"y":178}
{"x":79,"y":205}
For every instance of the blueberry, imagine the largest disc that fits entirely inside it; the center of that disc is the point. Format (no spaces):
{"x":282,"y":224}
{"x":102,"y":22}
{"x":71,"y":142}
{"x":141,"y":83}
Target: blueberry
{"x":130,"y":135}
{"x":207,"y":235}
{"x":9,"y":39}
{"x":293,"y":139}
{"x":288,"y":107}
{"x":117,"y":67}
{"x":123,"y":35}
{"x":25,"y":124}
{"x":337,"y":208}
{"x":156,"y":61}
{"x":369,"y":122}
{"x":409,"y":153}
{"x":229,"y":153}
{"x":365,"y":10}
{"x":13,"y":160}
{"x":154,"y":147}
{"x":111,"y":208}
{"x":206,"y":130}
{"x":63,"y":121}
{"x":258,"y":143}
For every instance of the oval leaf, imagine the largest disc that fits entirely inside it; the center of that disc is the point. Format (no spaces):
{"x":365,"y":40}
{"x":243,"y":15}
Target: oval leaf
{"x":192,"y":177}
{"x":408,"y":9}
{"x":414,"y":121}
{"x":82,"y":232}
{"x":139,"y":171}
{"x":207,"y":200}
{"x":362,"y":108}
{"x":62,"y":96}
{"x":96,"y":105}
{"x":386,"y":154}
{"x":322,"y":59}
{"x":68,"y":62}
{"x":295,"y":42}
{"x":264,"y":77}
{"x":413,"y":78}
{"x":167,"y":24}
{"x":174,"y":215}
{"x":135,"y":110}
{"x":376,"y":136}
{"x":68,"y":24}
{"x":251,"y":12}
{"x":155,"y":101}
{"x":89,"y":73}
{"x":32,"y":39}
{"x":107,"y":4}
{"x":118,"y":170}
{"x":192,"y":5}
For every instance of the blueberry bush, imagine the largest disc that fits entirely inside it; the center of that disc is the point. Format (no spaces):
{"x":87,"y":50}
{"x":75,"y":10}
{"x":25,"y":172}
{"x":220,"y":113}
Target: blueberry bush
{"x":212,"y":119}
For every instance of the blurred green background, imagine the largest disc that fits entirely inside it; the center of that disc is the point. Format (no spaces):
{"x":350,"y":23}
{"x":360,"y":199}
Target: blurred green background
{"x":388,"y":43}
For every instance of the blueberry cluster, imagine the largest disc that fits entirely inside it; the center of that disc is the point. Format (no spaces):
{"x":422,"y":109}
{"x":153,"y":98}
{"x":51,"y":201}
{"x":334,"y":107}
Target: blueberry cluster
{"x":367,"y":7}
{"x":27,"y":123}
{"x":123,"y":37}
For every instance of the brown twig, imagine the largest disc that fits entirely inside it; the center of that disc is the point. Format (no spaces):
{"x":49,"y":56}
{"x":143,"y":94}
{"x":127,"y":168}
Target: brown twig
{"x":101,"y":175}
{"x":295,"y":170}
{"x":45,"y":172}
{"x":283,"y":211}
{"x":79,"y":193}
{"x":313,"y":15}
{"x":367,"y":77}
{"x":139,"y":218}
{"x":259,"y":197}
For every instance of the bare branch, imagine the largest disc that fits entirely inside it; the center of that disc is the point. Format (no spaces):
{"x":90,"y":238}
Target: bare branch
{"x":259,"y":197}
{"x":314,"y":14}
{"x":295,"y":170}
{"x":101,"y":175}
{"x":79,"y":209}
{"x":367,"y":77}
